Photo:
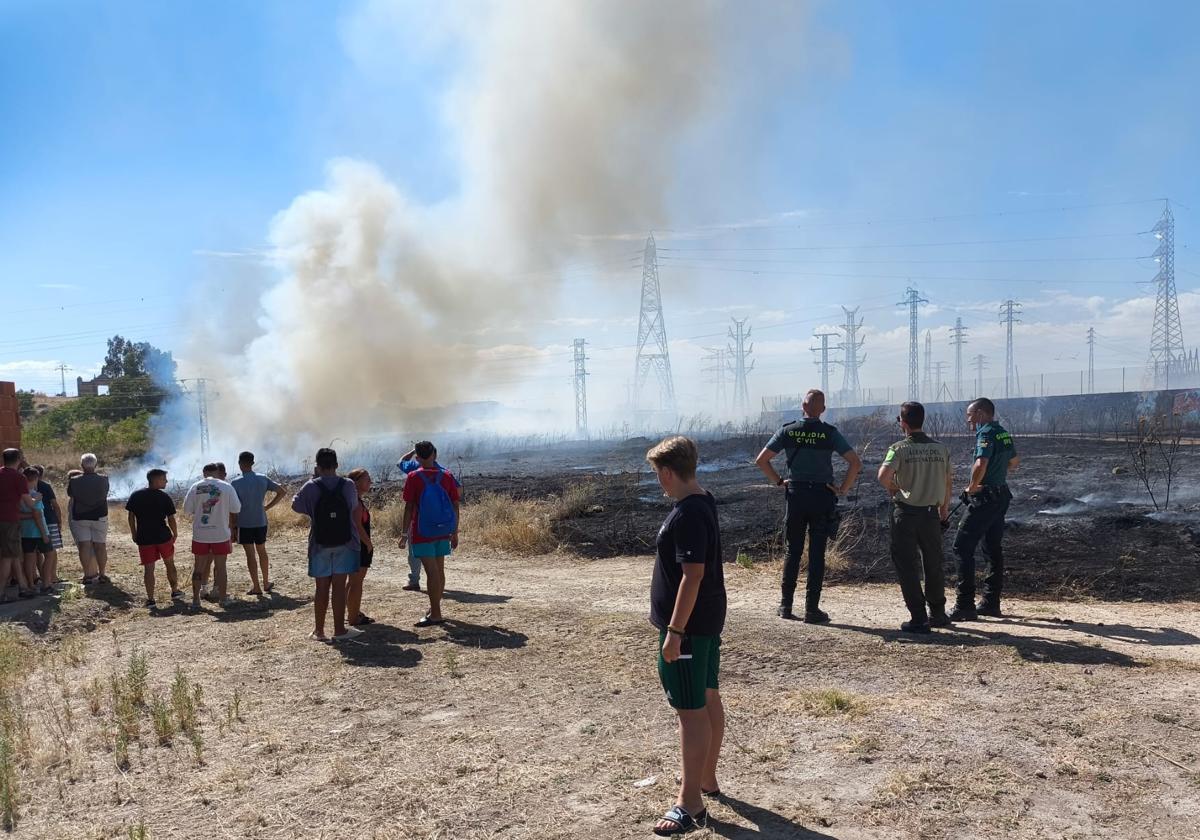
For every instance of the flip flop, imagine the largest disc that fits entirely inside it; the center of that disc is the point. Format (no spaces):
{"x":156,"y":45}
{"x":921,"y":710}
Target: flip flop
{"x":684,"y":821}
{"x":429,"y":622}
{"x":715,"y":793}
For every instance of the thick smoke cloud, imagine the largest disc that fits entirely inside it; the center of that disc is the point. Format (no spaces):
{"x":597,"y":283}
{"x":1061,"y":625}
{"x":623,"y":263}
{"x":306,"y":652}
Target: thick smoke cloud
{"x":568,"y":120}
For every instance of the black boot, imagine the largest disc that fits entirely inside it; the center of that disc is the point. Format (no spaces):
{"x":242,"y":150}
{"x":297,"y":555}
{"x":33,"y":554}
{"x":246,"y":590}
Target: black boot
{"x":939,"y":619}
{"x":964,"y":614}
{"x":914,"y":626}
{"x":812,"y":615}
{"x":988,"y":608}
{"x":785,"y":611}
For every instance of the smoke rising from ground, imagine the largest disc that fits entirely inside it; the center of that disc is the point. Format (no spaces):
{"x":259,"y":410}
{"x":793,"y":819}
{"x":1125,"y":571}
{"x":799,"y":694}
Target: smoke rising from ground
{"x":568,"y":120}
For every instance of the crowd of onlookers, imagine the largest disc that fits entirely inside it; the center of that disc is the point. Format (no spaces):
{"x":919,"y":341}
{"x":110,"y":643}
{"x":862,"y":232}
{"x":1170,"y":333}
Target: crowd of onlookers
{"x":223,"y":513}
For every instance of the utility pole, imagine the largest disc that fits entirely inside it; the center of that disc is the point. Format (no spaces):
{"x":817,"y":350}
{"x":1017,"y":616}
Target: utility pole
{"x":652,"y":352}
{"x":1091,"y":379}
{"x":980,"y":363}
{"x":717,"y":367}
{"x":739,"y":353}
{"x":913,"y":300}
{"x":824,"y":362}
{"x":850,"y":345}
{"x":62,"y":368}
{"x":1008,"y":316}
{"x":1166,"y":338}
{"x":958,"y":337}
{"x":581,"y":423}
{"x":202,"y":403}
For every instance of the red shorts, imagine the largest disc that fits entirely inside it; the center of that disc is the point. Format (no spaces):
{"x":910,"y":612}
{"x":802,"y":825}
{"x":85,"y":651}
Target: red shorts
{"x":149,"y":554}
{"x":217,"y":549}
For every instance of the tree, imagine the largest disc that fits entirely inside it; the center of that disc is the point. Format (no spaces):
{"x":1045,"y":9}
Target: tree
{"x":126,"y":358}
{"x":25,"y":404}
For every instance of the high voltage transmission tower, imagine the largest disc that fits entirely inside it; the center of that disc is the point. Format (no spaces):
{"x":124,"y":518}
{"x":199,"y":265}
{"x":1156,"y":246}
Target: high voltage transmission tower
{"x":1008,"y":316}
{"x":939,"y":382}
{"x":927,"y":391}
{"x":581,"y":423}
{"x":718,"y":366}
{"x":1166,"y":338}
{"x":980,"y":362}
{"x":913,"y":300}
{"x":850,"y":345}
{"x":201,"y":394}
{"x":958,"y":337}
{"x":1091,"y":376}
{"x":824,"y":362}
{"x":652,"y":352}
{"x":739,"y":353}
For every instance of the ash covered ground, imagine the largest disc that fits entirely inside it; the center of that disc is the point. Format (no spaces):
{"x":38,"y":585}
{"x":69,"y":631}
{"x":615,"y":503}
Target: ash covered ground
{"x":1080,"y":524}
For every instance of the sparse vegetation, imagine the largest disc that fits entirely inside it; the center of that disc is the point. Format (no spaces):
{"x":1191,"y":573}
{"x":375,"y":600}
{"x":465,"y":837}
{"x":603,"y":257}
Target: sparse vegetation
{"x":825,"y":702}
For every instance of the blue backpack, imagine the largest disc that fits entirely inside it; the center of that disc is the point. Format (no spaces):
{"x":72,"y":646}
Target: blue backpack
{"x":436,"y":516}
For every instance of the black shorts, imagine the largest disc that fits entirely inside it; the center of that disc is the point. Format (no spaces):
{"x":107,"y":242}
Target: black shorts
{"x":364,"y":558}
{"x":252,"y":536}
{"x":31,"y":545}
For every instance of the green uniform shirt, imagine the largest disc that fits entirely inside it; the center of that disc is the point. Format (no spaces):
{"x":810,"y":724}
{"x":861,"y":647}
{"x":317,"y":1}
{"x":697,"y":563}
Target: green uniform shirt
{"x":995,"y":444}
{"x":922,"y":466}
{"x":809,"y":445}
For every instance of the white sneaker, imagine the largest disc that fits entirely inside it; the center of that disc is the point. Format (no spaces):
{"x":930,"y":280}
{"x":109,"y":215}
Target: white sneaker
{"x":347,"y":634}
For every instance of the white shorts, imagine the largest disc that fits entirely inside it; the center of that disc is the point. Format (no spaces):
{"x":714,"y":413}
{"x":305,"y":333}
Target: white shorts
{"x":90,"y":530}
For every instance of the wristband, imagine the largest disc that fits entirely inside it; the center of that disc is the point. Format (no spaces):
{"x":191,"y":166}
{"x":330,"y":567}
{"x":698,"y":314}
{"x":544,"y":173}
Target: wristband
{"x":674,"y":630}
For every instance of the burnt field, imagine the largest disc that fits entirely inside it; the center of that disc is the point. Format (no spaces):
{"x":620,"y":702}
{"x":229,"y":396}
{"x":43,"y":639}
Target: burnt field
{"x":1080,"y":525}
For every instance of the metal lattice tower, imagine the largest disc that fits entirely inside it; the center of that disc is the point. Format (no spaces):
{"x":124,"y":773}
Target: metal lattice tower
{"x":581,"y":423}
{"x":958,"y":337}
{"x":652,"y":353}
{"x":980,"y":362}
{"x":824,"y":362}
{"x":913,"y":300}
{"x":1091,"y":342}
{"x":1166,"y":338}
{"x":1008,"y":316}
{"x":939,"y":382}
{"x":850,"y":345}
{"x":739,"y":353}
{"x":927,"y":391}
{"x":718,"y":366}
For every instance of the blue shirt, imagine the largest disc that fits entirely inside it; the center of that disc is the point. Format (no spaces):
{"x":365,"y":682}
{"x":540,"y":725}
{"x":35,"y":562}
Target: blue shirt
{"x":412,"y":465}
{"x":251,"y":488}
{"x":29,"y":527}
{"x":809,"y":444}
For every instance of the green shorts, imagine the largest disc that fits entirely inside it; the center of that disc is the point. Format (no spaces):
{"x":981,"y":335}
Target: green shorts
{"x":686,"y":680}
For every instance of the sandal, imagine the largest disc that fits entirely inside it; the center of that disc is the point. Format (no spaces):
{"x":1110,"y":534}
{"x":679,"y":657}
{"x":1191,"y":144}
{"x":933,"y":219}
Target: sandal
{"x":363,"y":618}
{"x":429,"y":622}
{"x":684,"y":822}
{"x":715,"y":793}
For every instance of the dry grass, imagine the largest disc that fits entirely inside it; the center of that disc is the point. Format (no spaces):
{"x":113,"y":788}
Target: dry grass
{"x":522,"y":526}
{"x":830,"y":702}
{"x":282,"y":518}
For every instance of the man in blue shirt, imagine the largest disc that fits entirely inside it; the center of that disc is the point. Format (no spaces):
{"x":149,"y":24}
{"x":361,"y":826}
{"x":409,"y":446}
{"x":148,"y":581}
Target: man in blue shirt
{"x":989,"y":496}
{"x":811,"y":497}
{"x":252,"y":489}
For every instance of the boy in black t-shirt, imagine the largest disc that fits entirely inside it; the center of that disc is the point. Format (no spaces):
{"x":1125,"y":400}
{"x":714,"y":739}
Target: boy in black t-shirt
{"x":687,"y":605}
{"x":152,"y":526}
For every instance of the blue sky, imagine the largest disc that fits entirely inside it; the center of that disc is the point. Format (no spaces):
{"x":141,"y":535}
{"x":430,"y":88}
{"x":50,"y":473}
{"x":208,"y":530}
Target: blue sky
{"x":142,"y":141}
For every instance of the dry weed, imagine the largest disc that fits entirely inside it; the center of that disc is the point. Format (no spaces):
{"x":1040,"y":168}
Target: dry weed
{"x":828,"y":702}
{"x":522,"y":526}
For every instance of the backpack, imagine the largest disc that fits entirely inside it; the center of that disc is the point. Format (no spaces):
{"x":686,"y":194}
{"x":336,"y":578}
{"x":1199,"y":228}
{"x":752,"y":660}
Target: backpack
{"x":331,"y":519}
{"x":435,"y":512}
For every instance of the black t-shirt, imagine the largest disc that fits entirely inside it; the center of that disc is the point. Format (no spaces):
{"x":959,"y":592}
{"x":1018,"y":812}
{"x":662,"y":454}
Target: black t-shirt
{"x":151,"y":507}
{"x":689,"y":534}
{"x":47,"y":492}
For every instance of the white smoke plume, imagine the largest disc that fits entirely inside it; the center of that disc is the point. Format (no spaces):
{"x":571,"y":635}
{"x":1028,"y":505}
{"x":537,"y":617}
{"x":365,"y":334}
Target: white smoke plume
{"x":568,"y":120}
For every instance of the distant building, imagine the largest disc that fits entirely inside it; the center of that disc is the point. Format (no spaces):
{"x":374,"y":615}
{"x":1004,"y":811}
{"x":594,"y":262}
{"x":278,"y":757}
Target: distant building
{"x":91,"y":388}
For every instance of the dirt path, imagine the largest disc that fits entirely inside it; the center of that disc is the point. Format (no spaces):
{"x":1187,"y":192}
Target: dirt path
{"x":534,"y":712}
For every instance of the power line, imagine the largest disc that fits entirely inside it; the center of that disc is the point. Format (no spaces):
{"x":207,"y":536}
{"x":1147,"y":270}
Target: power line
{"x":958,"y":338}
{"x":913,"y":300}
{"x":652,"y":351}
{"x":851,"y":360}
{"x":824,"y":362}
{"x":739,"y":353}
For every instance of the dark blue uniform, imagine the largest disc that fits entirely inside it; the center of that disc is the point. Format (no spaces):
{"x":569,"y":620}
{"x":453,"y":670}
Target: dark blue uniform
{"x":811,"y":505}
{"x":984,"y":521}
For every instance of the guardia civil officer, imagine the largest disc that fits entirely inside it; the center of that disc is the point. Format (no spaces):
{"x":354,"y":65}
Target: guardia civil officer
{"x":988,"y":497}
{"x":916,"y":473}
{"x":811,"y":497}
